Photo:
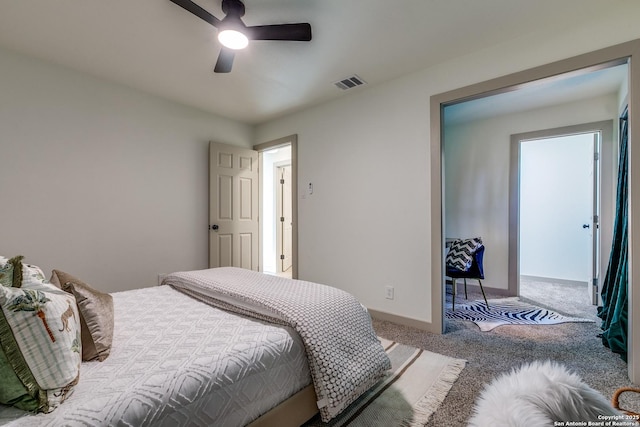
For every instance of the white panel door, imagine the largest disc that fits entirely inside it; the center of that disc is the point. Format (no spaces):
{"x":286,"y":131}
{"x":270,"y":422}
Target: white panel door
{"x":233,"y":206}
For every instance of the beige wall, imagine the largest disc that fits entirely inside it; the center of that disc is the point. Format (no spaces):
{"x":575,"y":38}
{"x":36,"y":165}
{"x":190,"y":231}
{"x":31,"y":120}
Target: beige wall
{"x":101,"y":181}
{"x":367,"y":225}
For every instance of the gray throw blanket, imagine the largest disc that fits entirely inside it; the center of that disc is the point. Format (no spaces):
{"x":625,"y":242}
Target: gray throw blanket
{"x":344,"y":354}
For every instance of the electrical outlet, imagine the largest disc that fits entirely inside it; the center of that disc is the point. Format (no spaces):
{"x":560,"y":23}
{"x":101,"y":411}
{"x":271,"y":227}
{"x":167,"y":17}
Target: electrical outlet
{"x":388,"y":292}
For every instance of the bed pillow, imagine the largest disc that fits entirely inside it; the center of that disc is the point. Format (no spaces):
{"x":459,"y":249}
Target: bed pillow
{"x":460,"y":255}
{"x":96,"y":315}
{"x":32,"y":275}
{"x":39,"y":346}
{"x":11,"y":271}
{"x":6,"y":272}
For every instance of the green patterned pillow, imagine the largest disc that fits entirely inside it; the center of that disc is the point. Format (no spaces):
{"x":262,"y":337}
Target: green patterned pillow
{"x":11,"y":271}
{"x":6,"y":272}
{"x":40,"y":348}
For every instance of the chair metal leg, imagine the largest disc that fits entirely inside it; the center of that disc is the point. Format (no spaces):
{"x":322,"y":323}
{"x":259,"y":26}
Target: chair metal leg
{"x":453,"y":294}
{"x":485,"y":297}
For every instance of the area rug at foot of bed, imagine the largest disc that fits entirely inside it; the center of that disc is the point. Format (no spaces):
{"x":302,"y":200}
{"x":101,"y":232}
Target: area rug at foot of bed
{"x":506,"y":311}
{"x":415,"y":387}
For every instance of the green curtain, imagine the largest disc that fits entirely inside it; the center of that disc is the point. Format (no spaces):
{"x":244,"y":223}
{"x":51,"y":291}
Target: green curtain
{"x":614,"y":310}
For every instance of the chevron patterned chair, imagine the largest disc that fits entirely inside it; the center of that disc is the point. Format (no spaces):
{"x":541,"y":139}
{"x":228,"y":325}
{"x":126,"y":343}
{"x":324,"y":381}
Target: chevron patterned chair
{"x":464,"y":261}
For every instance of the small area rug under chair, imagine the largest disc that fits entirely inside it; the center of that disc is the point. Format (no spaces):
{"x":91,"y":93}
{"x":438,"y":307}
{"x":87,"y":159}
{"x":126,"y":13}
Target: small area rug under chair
{"x":417,"y":384}
{"x":506,"y":311}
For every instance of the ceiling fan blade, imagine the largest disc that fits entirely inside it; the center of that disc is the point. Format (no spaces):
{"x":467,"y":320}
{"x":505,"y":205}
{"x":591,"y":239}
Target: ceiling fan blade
{"x":225,"y":60}
{"x":198,"y":11}
{"x":294,"y":32}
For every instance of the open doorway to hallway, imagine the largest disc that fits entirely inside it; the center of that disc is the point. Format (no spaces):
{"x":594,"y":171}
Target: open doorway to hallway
{"x":276,"y":211}
{"x":279,"y":206}
{"x":559,"y":227}
{"x":580,"y":65}
{"x":479,"y":177}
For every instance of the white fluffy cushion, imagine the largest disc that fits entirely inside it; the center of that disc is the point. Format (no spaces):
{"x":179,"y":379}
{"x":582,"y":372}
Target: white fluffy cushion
{"x":39,"y":343}
{"x":538,"y":394}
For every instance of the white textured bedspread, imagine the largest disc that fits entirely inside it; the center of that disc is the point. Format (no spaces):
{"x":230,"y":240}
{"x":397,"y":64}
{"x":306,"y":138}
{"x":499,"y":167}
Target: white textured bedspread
{"x":178,"y":362}
{"x":344,"y":354}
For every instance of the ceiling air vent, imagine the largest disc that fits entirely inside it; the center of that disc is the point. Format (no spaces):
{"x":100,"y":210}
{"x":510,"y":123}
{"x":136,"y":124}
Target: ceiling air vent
{"x":350,"y":82}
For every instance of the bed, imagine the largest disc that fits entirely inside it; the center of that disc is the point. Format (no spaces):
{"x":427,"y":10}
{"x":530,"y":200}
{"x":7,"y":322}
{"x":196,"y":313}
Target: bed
{"x":176,"y":359}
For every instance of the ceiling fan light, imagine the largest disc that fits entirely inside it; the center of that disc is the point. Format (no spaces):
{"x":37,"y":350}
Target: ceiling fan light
{"x":233,"y":39}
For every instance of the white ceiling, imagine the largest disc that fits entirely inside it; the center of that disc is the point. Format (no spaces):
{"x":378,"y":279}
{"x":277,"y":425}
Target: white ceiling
{"x":158,"y":47}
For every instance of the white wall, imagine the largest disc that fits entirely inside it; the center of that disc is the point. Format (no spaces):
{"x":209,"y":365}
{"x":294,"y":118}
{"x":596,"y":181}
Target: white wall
{"x":101,"y":181}
{"x":364,"y":226}
{"x":367,"y":225}
{"x":477,"y":174}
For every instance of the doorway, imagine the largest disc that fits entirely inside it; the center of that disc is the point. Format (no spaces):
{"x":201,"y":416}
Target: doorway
{"x":243,"y":195}
{"x":278,"y":206}
{"x":607,"y":57}
{"x":276,"y":211}
{"x":556,"y":207}
{"x":478,"y":179}
{"x":559,"y":212}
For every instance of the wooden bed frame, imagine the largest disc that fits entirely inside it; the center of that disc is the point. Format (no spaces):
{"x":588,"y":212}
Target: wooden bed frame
{"x":293,"y":412}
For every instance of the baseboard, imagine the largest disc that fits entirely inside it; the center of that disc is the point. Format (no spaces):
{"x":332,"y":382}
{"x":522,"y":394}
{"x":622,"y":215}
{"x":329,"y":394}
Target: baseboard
{"x":493,"y":291}
{"x":552,"y":280}
{"x":476,"y":288}
{"x":405,"y":321}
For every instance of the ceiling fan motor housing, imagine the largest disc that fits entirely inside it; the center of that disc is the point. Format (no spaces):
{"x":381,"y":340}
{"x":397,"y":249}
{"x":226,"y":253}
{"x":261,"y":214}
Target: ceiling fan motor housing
{"x":233,"y":8}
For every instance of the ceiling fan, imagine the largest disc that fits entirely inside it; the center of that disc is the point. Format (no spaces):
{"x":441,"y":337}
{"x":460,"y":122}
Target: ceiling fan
{"x":234,"y":35}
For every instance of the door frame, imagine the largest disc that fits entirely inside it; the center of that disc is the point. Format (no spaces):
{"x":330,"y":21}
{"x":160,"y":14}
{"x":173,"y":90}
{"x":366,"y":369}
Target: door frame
{"x":629,"y":53}
{"x":603,"y":191}
{"x":292,"y":141}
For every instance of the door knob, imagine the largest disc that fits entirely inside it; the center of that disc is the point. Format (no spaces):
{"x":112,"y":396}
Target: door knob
{"x":214,"y":227}
{"x":585,"y":226}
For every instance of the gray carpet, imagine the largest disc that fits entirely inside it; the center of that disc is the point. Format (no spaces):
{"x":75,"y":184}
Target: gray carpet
{"x":489,"y":354}
{"x":570,"y":299}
